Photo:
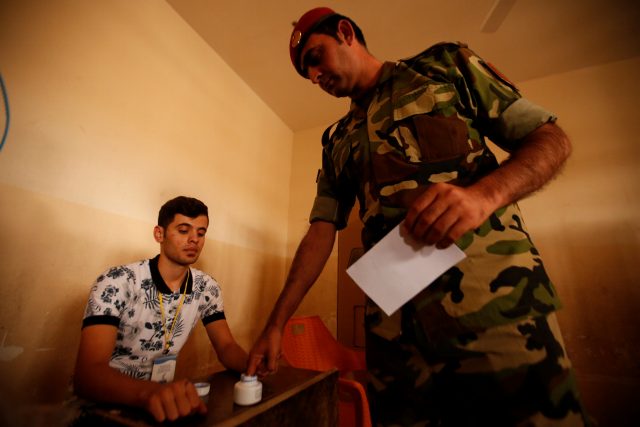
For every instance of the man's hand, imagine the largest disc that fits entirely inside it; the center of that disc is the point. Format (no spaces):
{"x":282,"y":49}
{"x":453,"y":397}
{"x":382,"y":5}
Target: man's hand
{"x":174,"y":400}
{"x":265,"y":354}
{"x":445,"y":212}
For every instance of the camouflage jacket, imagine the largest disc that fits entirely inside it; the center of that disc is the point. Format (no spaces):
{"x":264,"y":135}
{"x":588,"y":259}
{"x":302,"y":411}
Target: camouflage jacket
{"x":426,"y":122}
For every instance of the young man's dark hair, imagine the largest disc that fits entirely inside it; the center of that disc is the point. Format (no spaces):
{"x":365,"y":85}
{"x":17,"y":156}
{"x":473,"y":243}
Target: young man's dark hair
{"x":187,"y":206}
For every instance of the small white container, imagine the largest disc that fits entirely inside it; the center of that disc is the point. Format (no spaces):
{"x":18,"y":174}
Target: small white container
{"x":203,"y":391}
{"x":247,"y":391}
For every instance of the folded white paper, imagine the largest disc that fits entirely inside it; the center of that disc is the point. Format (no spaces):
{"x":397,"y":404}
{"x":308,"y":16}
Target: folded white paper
{"x":397,"y":268}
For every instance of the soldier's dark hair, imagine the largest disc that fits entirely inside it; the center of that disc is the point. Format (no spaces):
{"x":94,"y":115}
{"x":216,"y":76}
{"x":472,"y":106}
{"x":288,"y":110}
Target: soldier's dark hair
{"x":187,"y":206}
{"x":330,"y":27}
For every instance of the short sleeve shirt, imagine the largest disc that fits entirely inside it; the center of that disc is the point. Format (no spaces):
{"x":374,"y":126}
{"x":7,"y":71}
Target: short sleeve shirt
{"x":127,"y":297}
{"x":426,"y":122}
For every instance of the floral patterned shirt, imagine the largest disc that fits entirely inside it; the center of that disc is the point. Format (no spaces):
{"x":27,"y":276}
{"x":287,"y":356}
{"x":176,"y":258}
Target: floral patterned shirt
{"x":127,"y":298}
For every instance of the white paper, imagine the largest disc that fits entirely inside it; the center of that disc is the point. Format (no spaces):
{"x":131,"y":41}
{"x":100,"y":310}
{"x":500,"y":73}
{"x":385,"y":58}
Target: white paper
{"x":397,"y":268}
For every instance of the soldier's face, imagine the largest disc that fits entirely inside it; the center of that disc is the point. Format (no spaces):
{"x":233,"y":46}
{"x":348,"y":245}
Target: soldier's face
{"x":328,"y":63}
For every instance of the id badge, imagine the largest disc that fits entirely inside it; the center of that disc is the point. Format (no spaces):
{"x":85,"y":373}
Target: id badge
{"x":164,"y":367}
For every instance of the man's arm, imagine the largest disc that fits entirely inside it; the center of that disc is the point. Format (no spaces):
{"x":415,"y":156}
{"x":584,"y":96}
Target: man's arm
{"x":444,"y":212}
{"x":310,"y":258}
{"x":96,"y":380}
{"x":229,"y":352}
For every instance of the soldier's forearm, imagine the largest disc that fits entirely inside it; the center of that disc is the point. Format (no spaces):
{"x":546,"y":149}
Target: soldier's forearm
{"x":538,"y":160}
{"x":310,"y":258}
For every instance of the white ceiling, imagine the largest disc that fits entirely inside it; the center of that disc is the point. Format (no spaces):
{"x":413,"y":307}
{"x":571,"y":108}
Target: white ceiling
{"x":537,"y":38}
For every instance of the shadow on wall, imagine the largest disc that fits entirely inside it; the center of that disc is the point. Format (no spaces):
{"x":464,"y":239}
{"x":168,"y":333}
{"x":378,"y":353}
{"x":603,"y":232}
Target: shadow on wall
{"x":596,"y":278}
{"x":52,"y":253}
{"x":250,"y":281}
{"x":48,"y":380}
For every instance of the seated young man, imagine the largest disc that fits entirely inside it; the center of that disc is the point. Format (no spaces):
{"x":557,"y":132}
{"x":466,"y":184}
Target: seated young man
{"x":139,"y":316}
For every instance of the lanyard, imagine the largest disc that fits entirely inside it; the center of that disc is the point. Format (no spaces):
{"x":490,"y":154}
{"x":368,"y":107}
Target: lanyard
{"x":169,"y":333}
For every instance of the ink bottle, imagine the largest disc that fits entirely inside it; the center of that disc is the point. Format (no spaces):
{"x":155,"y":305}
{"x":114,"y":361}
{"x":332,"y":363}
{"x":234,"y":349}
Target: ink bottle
{"x":247,"y":391}
{"x":203,"y":391}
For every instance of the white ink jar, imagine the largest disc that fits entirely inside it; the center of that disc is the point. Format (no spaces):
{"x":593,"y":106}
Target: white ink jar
{"x":248,"y":390}
{"x":203,"y":391}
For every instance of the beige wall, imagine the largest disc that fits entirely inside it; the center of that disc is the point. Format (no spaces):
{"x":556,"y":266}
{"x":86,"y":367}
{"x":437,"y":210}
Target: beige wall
{"x":114,"y":111}
{"x":587,"y":227}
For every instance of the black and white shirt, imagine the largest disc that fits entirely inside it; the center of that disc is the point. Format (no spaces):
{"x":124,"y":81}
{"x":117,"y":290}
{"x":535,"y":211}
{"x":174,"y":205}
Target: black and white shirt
{"x":127,"y":298}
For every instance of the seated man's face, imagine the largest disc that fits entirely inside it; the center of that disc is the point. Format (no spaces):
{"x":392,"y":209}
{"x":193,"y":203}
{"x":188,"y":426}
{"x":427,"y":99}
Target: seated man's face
{"x":183,"y":239}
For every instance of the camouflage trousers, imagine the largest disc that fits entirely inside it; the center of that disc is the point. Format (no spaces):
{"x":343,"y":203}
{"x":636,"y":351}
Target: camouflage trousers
{"x":510,"y":375}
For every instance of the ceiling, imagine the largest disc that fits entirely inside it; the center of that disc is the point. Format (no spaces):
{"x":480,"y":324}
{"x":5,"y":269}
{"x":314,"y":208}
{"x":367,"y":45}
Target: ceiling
{"x":537,"y":38}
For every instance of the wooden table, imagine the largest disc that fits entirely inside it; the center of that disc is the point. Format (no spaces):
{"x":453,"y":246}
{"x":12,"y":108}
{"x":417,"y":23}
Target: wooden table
{"x":292,"y":397}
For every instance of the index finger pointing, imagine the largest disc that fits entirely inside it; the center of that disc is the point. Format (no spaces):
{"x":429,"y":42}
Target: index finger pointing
{"x":254,"y":361}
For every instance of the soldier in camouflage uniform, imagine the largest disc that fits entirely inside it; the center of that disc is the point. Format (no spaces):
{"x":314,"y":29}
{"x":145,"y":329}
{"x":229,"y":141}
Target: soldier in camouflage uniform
{"x":481,"y":345}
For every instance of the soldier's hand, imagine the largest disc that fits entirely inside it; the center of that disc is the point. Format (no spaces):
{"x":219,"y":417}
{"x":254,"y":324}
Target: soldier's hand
{"x":444,"y":212}
{"x":265,"y":354}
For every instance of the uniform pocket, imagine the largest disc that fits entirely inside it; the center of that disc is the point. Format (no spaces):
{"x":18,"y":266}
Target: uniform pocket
{"x":441,"y":138}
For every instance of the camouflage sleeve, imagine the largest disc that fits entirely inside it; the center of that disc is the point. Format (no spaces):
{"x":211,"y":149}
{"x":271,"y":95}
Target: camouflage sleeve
{"x":518,"y":120}
{"x":333,"y":201}
{"x":486,"y":94}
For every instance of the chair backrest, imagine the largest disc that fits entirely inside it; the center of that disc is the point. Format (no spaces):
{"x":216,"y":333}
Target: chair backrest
{"x":307,"y":343}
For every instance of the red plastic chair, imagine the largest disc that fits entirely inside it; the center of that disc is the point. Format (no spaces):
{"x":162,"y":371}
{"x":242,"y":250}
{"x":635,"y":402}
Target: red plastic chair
{"x":308,"y":344}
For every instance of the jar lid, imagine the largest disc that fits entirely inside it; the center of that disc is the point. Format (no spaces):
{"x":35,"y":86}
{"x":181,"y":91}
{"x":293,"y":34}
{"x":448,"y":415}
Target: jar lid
{"x":202,"y":389}
{"x":248,"y":378}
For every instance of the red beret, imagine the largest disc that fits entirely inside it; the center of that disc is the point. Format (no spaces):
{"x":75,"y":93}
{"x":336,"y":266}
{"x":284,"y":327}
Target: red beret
{"x":303,"y":28}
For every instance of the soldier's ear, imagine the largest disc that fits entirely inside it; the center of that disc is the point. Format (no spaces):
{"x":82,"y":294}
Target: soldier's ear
{"x":346,"y":32}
